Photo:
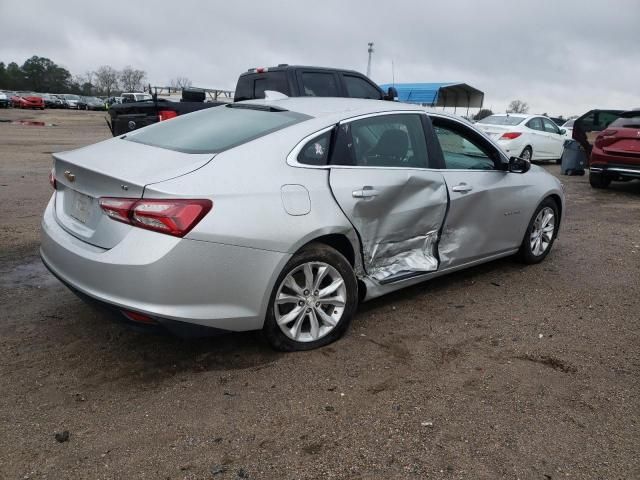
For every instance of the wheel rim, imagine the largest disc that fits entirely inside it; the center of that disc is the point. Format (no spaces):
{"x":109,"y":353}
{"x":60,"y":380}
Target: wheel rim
{"x":310,"y":301}
{"x":542,"y":232}
{"x":526,"y":154}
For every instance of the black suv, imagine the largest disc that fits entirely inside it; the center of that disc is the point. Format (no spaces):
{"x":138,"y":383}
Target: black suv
{"x":302,"y":81}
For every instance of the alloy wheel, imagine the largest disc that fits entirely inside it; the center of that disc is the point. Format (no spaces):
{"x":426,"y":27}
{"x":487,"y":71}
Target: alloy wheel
{"x":310,"y":301}
{"x":542,"y":231}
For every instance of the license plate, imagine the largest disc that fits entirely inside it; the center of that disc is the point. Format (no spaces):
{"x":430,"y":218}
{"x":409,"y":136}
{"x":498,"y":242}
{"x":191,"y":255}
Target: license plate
{"x":81,"y":207}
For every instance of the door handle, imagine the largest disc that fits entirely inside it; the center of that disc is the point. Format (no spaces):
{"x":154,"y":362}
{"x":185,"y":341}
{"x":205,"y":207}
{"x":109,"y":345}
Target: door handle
{"x":462,"y":188}
{"x":366,"y":192}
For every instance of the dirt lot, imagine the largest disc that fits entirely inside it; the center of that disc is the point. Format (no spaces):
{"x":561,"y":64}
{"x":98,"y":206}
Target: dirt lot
{"x":497,"y":372}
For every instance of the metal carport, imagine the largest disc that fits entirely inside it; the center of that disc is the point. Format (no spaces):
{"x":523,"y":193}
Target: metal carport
{"x":449,"y":94}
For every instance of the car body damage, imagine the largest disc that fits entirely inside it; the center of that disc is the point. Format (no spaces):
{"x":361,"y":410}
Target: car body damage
{"x":398,"y":221}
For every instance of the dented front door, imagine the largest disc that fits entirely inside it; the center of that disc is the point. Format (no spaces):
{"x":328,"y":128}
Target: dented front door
{"x":397,"y":212}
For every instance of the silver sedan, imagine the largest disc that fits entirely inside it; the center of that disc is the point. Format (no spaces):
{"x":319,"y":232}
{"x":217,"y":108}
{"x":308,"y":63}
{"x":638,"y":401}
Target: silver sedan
{"x":283,"y":215}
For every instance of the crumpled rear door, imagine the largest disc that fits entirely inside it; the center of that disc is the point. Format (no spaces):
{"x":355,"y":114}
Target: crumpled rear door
{"x":397,"y":212}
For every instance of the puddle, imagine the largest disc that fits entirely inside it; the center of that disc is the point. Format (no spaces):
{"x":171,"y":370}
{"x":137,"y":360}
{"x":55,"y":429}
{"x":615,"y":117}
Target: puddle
{"x":31,"y":274}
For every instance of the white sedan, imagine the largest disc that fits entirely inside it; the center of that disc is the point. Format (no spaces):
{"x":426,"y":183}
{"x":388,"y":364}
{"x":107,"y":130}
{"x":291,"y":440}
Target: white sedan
{"x":532,"y":137}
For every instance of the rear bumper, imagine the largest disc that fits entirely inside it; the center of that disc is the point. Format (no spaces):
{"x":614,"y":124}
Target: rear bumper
{"x":170,"y":279}
{"x":611,"y":169}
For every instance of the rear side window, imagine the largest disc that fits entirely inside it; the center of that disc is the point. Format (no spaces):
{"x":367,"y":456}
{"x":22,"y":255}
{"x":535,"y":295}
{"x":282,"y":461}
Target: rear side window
{"x":360,"y":88}
{"x":316,"y":152}
{"x":395,"y":140}
{"x":535,"y":124}
{"x":215,"y":129}
{"x":319,"y":84}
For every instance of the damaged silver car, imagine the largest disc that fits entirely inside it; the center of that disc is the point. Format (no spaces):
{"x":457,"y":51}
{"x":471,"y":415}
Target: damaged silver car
{"x":284,"y":214}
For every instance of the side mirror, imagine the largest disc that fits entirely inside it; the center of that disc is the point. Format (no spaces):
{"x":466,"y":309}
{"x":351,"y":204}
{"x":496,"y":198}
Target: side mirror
{"x":519,"y":165}
{"x":562,"y":131}
{"x":392,"y":94}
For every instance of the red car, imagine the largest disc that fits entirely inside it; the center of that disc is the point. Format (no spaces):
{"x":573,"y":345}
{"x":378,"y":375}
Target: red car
{"x":27,"y":101}
{"x":616,"y":151}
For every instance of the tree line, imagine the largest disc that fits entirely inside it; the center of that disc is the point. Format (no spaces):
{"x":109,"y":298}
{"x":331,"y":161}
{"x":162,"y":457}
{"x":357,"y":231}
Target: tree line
{"x":42,"y":75}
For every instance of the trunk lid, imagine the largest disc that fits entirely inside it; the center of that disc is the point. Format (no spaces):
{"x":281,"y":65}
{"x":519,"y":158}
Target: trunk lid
{"x":113,"y":168}
{"x":495,"y":131}
{"x":626,"y":143}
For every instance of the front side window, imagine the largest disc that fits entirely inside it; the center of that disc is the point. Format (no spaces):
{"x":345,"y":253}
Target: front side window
{"x":360,"y":88}
{"x":549,"y":126}
{"x":319,"y":84}
{"x":395,"y":140}
{"x":461,"y":151}
{"x":316,"y":151}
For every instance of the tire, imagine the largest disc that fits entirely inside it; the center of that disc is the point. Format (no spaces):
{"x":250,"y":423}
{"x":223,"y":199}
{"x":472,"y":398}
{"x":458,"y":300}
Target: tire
{"x":527,"y":153}
{"x":313,"y":262}
{"x":539,"y":238}
{"x":598,"y":180}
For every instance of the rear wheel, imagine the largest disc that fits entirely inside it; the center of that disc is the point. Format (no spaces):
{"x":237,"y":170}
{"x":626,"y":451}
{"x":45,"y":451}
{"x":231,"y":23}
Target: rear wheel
{"x":526,"y":154}
{"x":313,"y":301}
{"x":541,"y":233}
{"x":598,"y":180}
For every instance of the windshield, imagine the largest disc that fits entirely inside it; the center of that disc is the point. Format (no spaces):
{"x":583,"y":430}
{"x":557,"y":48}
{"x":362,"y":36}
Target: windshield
{"x":69,"y":96}
{"x":569,"y":123}
{"x":628,"y":120}
{"x":215,"y":129}
{"x":501,"y":120}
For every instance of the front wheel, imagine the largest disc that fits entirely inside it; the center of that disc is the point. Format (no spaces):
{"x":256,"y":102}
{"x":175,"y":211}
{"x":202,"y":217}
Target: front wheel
{"x":313,"y":300}
{"x":541,"y":233}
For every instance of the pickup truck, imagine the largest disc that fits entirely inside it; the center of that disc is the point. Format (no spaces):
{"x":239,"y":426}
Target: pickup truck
{"x":290,"y":80}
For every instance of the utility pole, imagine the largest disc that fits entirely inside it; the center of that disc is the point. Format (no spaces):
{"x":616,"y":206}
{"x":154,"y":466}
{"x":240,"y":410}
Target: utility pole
{"x":370,"y":50}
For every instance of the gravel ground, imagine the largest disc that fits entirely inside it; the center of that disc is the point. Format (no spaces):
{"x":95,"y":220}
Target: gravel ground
{"x":500,"y":371}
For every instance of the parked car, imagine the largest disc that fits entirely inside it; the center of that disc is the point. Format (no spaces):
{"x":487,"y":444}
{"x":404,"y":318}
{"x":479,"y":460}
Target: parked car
{"x":616,"y":151}
{"x":132,"y":97}
{"x":282,"y":215}
{"x":27,"y":100}
{"x":4,"y":100}
{"x":52,"y":101}
{"x":91,"y":103}
{"x":289,"y":80}
{"x":306,"y":81}
{"x":568,"y":128}
{"x":113,"y":101}
{"x":532,"y":137}
{"x":71,"y":100}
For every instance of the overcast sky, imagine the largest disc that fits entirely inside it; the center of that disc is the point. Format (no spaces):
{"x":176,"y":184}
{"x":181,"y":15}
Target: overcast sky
{"x":562,"y":57}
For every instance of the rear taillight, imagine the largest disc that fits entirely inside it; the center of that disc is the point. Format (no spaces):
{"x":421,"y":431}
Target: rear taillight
{"x":510,"y":135}
{"x":52,"y":179}
{"x":605,"y":138}
{"x":170,"y":216}
{"x":166,"y":115}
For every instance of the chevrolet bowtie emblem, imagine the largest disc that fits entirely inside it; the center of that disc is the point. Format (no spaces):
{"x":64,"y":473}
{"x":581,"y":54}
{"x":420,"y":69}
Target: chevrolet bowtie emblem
{"x":69,"y":176}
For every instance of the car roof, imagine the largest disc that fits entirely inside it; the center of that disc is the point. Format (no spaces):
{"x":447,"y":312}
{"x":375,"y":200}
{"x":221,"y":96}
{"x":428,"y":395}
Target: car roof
{"x":284,"y":66}
{"x":319,"y":107}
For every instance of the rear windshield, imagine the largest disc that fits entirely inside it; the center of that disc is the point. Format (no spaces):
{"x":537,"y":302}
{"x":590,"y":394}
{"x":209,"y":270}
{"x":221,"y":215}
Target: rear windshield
{"x":254,"y":86}
{"x":215,"y":129}
{"x":628,"y":121}
{"x":501,"y":120}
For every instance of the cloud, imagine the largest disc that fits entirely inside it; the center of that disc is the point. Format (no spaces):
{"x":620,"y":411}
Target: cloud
{"x":561,"y":57}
